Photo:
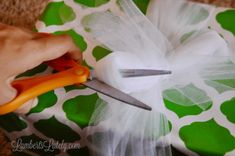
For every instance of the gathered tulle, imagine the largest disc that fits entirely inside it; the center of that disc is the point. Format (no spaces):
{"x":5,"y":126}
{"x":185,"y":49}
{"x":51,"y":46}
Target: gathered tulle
{"x":178,"y":18}
{"x":176,"y":39}
{"x":128,"y":131}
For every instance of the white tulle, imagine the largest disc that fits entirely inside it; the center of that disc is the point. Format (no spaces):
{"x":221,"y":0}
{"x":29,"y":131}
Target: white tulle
{"x":177,"y":18}
{"x":178,"y":40}
{"x":121,"y":60}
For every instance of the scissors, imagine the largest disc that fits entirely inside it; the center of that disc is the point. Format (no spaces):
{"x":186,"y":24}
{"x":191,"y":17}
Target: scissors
{"x":69,"y":73}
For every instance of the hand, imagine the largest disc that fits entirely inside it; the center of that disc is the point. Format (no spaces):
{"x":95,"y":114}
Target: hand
{"x":21,"y":50}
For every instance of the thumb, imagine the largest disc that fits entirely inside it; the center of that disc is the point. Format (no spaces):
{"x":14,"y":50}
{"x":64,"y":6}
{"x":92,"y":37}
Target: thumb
{"x":7,"y":92}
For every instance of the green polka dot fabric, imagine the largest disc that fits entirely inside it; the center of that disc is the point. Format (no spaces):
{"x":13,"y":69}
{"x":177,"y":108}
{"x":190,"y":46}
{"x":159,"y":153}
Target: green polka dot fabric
{"x":65,"y":113}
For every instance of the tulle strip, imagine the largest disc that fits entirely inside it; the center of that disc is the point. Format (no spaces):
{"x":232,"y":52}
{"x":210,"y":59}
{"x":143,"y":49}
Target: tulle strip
{"x":127,"y":131}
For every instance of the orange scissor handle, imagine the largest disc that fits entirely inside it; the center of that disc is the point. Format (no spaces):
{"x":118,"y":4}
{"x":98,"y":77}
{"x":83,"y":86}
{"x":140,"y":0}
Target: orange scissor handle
{"x":70,"y":73}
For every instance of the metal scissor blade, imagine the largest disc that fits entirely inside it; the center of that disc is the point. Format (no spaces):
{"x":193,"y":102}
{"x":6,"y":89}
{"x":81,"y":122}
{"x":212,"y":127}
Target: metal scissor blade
{"x":115,"y":93}
{"x":142,"y":72}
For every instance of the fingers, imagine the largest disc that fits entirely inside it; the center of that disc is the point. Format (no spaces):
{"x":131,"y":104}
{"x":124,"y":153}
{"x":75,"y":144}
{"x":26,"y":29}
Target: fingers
{"x":74,"y":51}
{"x":44,"y":48}
{"x":76,"y":55}
{"x":7,"y":92}
{"x":52,"y":47}
{"x":15,"y":32}
{"x":21,"y":50}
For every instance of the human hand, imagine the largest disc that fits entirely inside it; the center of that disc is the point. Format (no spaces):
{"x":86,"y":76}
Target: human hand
{"x":21,"y":50}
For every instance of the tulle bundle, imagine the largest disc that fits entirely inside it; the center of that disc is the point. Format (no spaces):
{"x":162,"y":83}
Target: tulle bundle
{"x":176,"y":39}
